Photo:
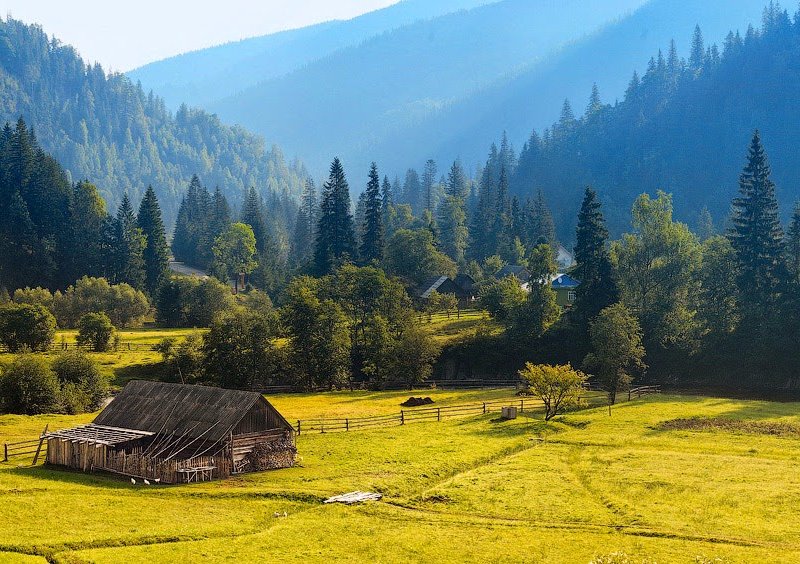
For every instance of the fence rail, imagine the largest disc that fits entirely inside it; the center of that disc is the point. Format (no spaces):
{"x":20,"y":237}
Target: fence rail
{"x":411,"y":415}
{"x":114,"y":347}
{"x":36,"y":447}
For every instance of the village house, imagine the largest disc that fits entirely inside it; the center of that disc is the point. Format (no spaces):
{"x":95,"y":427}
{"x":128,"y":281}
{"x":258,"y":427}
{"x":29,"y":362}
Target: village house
{"x":175,"y":433}
{"x":564,"y":285}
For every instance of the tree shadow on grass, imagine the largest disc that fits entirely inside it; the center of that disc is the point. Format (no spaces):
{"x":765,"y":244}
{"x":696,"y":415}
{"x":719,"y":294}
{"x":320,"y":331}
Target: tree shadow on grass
{"x":526,"y":424}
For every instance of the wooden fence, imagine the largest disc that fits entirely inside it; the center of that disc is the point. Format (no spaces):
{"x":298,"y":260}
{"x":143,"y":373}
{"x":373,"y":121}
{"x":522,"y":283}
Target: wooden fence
{"x":123,"y":346}
{"x":35,"y":447}
{"x":412,"y":415}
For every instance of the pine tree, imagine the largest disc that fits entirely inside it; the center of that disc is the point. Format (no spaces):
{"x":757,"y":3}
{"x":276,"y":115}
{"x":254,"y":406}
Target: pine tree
{"x":541,"y":228}
{"x":387,"y":200}
{"x":502,"y":238}
{"x":156,"y":251}
{"x":705,"y":225}
{"x":303,"y":242}
{"x":412,"y":191}
{"x":793,"y":246}
{"x":595,"y":104}
{"x":697,"y":55}
{"x":372,"y":241}
{"x":456,"y":181}
{"x":598,"y":288}
{"x":88,"y":218}
{"x":128,"y":248}
{"x":428,"y":181}
{"x":253,"y":215}
{"x":335,"y":242}
{"x":220,"y":215}
{"x":757,"y":236}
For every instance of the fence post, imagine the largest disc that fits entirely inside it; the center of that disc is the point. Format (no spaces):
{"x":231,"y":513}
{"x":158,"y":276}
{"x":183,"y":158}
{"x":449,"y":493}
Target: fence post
{"x":402,"y":417}
{"x":298,"y":426}
{"x":521,"y":405}
{"x":438,"y":413}
{"x":484,"y":408}
{"x":629,"y":395}
{"x":5,"y":452}
{"x":346,"y":424}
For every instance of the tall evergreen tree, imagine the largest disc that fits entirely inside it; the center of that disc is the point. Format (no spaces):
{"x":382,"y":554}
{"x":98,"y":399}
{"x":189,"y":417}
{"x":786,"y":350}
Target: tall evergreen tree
{"x":88,"y":224}
{"x":428,"y":182}
{"x":220,"y":214}
{"x":303,"y":242}
{"x":456,"y":181}
{"x":598,"y":288}
{"x":335,"y":241}
{"x":412,"y":192}
{"x":698,"y":52}
{"x":757,"y":236}
{"x":156,"y":251}
{"x":595,"y":103}
{"x":793,"y":246}
{"x":372,"y":238}
{"x":541,"y":228}
{"x":387,"y":200}
{"x":253,"y":215}
{"x":128,"y":247}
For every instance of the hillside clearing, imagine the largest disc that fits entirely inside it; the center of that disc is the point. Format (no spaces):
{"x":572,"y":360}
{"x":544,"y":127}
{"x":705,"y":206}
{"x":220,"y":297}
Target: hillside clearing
{"x":471,"y":489}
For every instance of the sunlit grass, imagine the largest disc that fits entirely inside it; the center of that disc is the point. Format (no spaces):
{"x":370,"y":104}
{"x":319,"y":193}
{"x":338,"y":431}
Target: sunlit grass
{"x":474,"y":489}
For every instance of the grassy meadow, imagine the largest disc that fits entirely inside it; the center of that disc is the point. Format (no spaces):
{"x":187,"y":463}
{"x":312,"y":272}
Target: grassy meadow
{"x":663,"y":479}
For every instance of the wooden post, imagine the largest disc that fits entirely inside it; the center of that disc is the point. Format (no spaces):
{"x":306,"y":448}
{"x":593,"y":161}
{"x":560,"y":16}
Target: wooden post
{"x":5,"y":452}
{"x":402,"y":417}
{"x":521,"y":405}
{"x":629,"y":395}
{"x":298,"y":426}
{"x":438,"y":413}
{"x":346,"y":424}
{"x":39,"y":448}
{"x":484,"y":408}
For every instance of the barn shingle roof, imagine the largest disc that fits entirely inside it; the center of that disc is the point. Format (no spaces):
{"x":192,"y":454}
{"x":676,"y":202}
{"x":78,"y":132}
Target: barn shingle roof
{"x":185,"y":410}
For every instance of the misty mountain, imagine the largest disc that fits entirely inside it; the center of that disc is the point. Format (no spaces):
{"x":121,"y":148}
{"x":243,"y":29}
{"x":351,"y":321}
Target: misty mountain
{"x":202,"y":77}
{"x":684,"y":127}
{"x":103,"y":127}
{"x":381,"y":88}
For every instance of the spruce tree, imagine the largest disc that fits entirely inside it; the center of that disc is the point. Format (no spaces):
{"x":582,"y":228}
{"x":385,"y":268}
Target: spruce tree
{"x":793,"y":246}
{"x":698,"y":52}
{"x":428,"y":181}
{"x":306,"y":222}
{"x":412,"y":191}
{"x":372,"y":238}
{"x":387,"y":200}
{"x":156,"y":251}
{"x":128,"y":248}
{"x":335,"y":241}
{"x":598,"y":287}
{"x":541,"y":228}
{"x":757,"y":236}
{"x":456,"y":181}
{"x":88,"y":218}
{"x":595,"y":104}
{"x":253,"y":215}
{"x":220,"y":218}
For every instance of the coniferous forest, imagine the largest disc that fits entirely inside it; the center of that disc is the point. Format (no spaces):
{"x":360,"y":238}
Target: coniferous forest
{"x":702,"y":286}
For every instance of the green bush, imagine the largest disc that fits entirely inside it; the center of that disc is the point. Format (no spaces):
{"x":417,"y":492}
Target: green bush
{"x":95,"y":331}
{"x":28,"y":387}
{"x":83,"y":388}
{"x":187,"y":301}
{"x":25,"y":326}
{"x":124,"y":305}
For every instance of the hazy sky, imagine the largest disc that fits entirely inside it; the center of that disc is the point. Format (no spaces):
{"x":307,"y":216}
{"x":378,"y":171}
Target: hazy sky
{"x":123,"y":35}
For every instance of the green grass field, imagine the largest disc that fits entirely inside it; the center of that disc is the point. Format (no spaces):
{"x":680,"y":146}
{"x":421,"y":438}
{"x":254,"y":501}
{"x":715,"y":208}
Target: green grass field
{"x":473,"y":489}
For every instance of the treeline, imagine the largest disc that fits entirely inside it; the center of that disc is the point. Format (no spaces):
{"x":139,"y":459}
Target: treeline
{"x":679,"y":127}
{"x":53,"y":232}
{"x":353,"y":327}
{"x":102,"y":126}
{"x":713,"y":309}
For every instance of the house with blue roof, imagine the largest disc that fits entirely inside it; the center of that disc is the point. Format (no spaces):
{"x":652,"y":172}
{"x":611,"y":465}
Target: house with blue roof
{"x":565,"y":287}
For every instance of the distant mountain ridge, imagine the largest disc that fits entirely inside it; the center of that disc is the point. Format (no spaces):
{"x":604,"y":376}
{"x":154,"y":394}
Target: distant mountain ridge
{"x":205,"y":76}
{"x":105,"y":128}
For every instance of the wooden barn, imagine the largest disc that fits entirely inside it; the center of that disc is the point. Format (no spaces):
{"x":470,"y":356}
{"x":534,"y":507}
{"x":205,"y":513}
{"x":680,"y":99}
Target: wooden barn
{"x":178,"y":433}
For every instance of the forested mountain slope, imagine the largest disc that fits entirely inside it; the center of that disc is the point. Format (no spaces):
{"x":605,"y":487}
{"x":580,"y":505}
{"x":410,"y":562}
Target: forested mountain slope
{"x":380,"y":90}
{"x":201,"y":77}
{"x":532,"y":98}
{"x":681,"y":127}
{"x":105,"y":128}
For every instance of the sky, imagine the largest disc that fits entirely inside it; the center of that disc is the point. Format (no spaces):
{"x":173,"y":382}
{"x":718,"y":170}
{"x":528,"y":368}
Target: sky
{"x":124,"y":35}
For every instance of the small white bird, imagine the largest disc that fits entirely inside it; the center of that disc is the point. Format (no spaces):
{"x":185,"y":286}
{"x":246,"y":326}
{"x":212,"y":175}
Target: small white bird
{"x":146,"y":482}
{"x":157,"y":480}
{"x":133,"y":481}
{"x":277,"y":514}
{"x":285,"y":514}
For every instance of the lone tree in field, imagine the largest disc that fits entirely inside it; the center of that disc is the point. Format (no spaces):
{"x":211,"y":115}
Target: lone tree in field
{"x":557,"y":386}
{"x":618,"y":352}
{"x":95,"y":331}
{"x":757,"y":235}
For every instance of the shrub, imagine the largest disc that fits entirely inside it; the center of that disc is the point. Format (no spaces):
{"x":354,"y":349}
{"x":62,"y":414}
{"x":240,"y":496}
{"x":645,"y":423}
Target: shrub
{"x":124,"y":305}
{"x":184,"y":359}
{"x":28,"y":386}
{"x":83,"y":388}
{"x":95,"y":331}
{"x":186,"y":301}
{"x":26,"y":326}
{"x":34,"y":296}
